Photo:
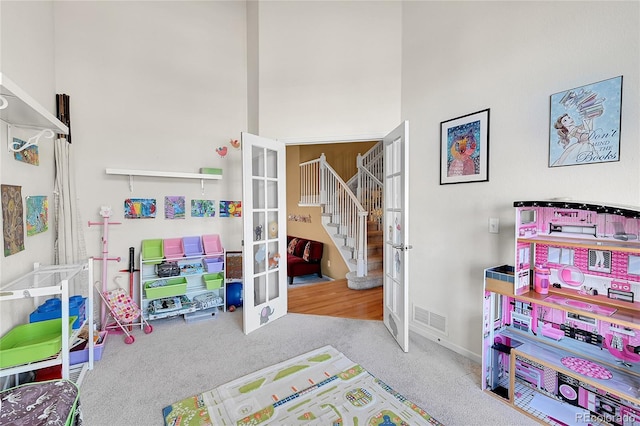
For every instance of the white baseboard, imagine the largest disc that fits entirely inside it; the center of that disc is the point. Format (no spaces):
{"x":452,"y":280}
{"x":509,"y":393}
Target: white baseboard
{"x":442,"y":341}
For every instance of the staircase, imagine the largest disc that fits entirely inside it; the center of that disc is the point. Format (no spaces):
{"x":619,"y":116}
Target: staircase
{"x":351,"y":213}
{"x":375,"y":272}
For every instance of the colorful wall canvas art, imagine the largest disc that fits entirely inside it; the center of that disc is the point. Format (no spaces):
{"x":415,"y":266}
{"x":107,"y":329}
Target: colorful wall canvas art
{"x":174,"y":207}
{"x":29,"y":155}
{"x":203,"y":208}
{"x":12,"y":220}
{"x":37,"y":214}
{"x":230,"y":208}
{"x":140,"y":208}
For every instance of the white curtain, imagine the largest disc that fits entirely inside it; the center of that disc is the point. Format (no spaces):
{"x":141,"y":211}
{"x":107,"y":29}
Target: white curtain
{"x":70,"y":246}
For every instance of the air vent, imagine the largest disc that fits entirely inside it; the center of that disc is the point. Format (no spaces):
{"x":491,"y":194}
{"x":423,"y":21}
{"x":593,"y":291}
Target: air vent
{"x":430,"y":319}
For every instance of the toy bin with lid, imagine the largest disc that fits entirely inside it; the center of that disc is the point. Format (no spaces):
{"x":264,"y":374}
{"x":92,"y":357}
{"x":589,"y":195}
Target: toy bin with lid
{"x":172,"y":248}
{"x":52,"y":308}
{"x":152,"y":250}
{"x":192,"y":246}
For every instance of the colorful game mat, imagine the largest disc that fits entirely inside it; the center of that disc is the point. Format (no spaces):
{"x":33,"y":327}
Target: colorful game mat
{"x":320,"y":387}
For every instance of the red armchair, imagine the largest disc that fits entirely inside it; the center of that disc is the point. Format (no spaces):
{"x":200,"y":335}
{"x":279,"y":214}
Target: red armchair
{"x":304,"y":257}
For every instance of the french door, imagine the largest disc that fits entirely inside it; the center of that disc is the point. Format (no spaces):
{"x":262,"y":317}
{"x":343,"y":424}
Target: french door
{"x":264,"y":219}
{"x":396,"y":235}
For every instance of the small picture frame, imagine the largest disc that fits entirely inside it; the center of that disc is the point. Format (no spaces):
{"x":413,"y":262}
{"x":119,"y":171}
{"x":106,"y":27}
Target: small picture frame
{"x":464,"y":148}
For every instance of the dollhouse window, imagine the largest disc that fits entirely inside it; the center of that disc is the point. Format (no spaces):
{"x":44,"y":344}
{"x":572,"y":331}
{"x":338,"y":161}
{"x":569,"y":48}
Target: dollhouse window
{"x":633,"y":268}
{"x":561,"y":255}
{"x":600,"y":260}
{"x":527,"y":217}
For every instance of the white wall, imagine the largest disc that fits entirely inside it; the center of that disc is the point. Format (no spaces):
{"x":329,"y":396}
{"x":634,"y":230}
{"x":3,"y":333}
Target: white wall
{"x":329,"y":68}
{"x":461,"y":57}
{"x":153,"y":86}
{"x":28,"y":60}
{"x":159,"y":85}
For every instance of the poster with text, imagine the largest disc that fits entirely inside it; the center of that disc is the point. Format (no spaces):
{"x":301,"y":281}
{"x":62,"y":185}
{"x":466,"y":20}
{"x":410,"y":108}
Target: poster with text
{"x":585,"y":124}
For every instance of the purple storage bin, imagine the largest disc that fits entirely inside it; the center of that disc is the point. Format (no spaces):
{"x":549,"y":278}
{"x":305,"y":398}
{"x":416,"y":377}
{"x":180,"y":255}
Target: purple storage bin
{"x":212,"y":244}
{"x":172,"y":248}
{"x":214,"y":264}
{"x":82,"y":355}
{"x":192,"y":246}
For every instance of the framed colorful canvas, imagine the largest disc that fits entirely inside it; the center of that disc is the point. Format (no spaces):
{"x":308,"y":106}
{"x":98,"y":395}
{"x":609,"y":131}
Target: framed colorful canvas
{"x":28,"y":155}
{"x":464,"y":148}
{"x":140,"y":208}
{"x":230,"y":208}
{"x":37,"y":214}
{"x":585,"y":124}
{"x":203,"y":208}
{"x":174,"y":207}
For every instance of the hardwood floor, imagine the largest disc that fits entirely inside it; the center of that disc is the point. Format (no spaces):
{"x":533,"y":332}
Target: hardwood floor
{"x":335,"y":299}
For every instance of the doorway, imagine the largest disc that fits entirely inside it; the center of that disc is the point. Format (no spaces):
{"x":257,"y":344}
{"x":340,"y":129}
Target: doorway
{"x":333,"y":298}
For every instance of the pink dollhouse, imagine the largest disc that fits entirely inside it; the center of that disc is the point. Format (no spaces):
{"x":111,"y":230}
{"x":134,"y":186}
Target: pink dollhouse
{"x":561,"y":327}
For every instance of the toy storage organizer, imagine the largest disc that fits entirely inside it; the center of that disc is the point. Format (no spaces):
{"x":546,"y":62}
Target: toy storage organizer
{"x":182,"y":276}
{"x":561,"y":328}
{"x":45,"y":342}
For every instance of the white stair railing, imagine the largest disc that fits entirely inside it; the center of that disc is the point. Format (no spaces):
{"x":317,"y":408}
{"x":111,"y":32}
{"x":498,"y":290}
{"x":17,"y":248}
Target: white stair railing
{"x":320,"y":185}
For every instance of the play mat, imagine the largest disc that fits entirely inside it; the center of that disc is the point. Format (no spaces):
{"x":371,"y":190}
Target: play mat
{"x":320,"y":387}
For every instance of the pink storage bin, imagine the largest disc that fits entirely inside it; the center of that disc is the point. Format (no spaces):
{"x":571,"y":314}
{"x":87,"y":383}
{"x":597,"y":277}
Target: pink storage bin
{"x":212,"y":244}
{"x":172,"y":248}
{"x":192,"y":246}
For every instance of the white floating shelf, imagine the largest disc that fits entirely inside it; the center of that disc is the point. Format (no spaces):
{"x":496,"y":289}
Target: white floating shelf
{"x":152,"y":173}
{"x":132,"y":172}
{"x":24,"y":111}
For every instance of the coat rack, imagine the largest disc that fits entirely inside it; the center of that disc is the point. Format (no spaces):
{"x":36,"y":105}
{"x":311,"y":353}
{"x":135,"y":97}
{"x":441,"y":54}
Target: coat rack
{"x":105,"y":212}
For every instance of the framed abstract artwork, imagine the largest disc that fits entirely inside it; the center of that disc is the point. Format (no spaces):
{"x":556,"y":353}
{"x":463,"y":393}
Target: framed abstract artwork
{"x":585,"y":124}
{"x":464,"y":148}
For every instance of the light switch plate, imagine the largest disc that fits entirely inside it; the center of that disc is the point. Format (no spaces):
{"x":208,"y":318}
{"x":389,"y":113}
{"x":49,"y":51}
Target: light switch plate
{"x":494,"y":225}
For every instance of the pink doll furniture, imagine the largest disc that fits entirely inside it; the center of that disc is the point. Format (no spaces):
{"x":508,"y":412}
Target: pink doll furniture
{"x":552,"y":333}
{"x":617,"y":346}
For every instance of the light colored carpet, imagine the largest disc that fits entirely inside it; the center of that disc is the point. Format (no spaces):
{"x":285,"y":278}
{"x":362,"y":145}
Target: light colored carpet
{"x":132,"y":383}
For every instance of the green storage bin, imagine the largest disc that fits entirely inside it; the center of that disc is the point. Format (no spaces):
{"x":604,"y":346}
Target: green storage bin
{"x":152,"y":250}
{"x":213,"y":281}
{"x":174,"y":287}
{"x":32,"y":342}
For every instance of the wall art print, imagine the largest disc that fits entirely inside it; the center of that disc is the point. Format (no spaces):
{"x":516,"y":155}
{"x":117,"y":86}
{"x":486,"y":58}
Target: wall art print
{"x":37,"y":214}
{"x":585,"y":124}
{"x":464,"y":148}
{"x":28,"y":155}
{"x":140,"y":208}
{"x":174,"y":207}
{"x":203,"y":208}
{"x":12,"y":219}
{"x":230,"y":208}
